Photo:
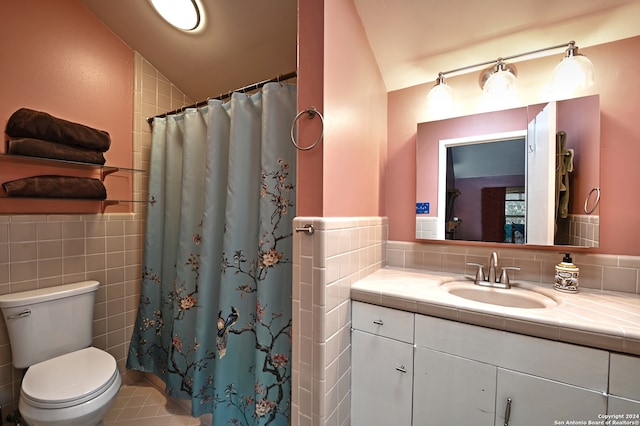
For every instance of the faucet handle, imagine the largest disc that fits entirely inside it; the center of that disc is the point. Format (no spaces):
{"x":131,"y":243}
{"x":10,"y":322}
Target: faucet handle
{"x":479,"y":272}
{"x":504,"y":277}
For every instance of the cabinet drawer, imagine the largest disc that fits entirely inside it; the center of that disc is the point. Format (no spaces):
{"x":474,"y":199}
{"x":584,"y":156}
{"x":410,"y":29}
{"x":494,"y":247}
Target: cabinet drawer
{"x":383,"y":321}
{"x":532,"y":355}
{"x":624,"y":376}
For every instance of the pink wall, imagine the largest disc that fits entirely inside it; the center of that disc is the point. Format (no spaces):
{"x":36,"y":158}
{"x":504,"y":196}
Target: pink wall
{"x":310,"y":94}
{"x":619,"y":152}
{"x":354,"y":146}
{"x":64,"y":61}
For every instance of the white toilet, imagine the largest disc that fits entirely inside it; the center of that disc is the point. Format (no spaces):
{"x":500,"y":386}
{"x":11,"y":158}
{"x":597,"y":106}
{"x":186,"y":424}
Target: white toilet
{"x":67,"y":382}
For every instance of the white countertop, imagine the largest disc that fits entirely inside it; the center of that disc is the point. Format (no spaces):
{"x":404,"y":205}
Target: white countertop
{"x":601,"y":319}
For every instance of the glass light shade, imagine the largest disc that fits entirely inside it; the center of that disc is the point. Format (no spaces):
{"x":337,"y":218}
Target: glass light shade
{"x":441,"y":101}
{"x":500,"y":90}
{"x":572,"y":74}
{"x":182,"y":14}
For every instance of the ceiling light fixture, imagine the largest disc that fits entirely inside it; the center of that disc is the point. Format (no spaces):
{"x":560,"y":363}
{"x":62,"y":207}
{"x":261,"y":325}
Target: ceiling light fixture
{"x":498,"y":82}
{"x":182,"y":14}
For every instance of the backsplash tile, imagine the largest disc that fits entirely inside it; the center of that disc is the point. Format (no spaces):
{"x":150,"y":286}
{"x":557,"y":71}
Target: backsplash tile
{"x":597,"y":271}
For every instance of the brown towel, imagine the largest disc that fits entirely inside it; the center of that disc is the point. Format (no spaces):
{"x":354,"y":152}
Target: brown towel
{"x":56,"y":151}
{"x":52,"y":186}
{"x":27,"y":123}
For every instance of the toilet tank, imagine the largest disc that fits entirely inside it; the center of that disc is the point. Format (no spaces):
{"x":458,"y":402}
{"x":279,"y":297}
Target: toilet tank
{"x":49,"y":322}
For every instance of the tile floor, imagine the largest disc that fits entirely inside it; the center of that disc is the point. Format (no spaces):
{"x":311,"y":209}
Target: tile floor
{"x":142,"y":404}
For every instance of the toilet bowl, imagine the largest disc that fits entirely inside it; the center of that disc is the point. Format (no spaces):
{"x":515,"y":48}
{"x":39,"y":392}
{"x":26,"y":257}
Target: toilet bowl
{"x":67,"y":382}
{"x":73,"y":389}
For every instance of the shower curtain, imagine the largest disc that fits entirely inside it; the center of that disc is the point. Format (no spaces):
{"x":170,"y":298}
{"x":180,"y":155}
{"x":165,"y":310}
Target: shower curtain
{"x":214,"y":320}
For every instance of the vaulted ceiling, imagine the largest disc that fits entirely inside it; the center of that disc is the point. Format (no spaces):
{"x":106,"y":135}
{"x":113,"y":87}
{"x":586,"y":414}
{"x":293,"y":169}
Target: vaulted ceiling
{"x":247,"y":41}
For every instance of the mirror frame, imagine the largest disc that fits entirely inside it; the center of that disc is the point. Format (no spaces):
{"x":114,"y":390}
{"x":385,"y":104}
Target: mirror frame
{"x":443,"y":144}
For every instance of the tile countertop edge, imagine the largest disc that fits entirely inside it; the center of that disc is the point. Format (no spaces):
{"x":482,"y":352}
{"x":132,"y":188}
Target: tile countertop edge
{"x":600,"y":319}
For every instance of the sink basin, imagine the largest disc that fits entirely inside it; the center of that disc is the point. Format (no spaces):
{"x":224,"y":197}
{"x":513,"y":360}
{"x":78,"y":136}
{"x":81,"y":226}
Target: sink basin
{"x":515,"y":297}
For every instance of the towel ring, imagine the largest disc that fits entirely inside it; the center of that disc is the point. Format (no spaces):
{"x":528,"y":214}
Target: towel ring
{"x":595,"y":204}
{"x":310,"y":113}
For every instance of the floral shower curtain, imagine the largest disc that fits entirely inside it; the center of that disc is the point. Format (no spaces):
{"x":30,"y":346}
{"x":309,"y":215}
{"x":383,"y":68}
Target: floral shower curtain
{"x":214,"y":320}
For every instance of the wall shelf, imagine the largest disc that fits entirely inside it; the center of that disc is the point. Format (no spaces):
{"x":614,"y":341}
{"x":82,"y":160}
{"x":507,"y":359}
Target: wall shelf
{"x":119,"y":185}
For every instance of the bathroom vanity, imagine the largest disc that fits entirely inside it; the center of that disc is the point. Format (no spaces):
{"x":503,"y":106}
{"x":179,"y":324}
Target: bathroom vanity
{"x":422,"y":356}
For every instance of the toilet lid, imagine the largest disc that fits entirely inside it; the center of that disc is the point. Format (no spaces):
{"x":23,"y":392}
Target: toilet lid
{"x":69,"y":379}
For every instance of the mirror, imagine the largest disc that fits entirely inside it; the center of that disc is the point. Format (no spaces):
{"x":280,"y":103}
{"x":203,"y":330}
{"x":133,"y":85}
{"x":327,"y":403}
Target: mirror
{"x":492,"y":177}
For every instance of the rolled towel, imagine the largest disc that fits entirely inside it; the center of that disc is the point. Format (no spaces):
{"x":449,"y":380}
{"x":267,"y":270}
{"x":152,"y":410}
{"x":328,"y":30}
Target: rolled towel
{"x":57,"y":151}
{"x":27,"y":123}
{"x":53,"y":186}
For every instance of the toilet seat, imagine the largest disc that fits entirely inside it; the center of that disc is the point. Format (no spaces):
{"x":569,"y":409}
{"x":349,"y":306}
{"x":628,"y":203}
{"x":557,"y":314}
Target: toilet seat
{"x":69,"y":379}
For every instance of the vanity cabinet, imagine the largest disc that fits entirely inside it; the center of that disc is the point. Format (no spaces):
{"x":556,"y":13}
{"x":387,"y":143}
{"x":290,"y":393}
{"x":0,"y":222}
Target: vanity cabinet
{"x":531,"y":381}
{"x":382,"y":366}
{"x":459,"y":373}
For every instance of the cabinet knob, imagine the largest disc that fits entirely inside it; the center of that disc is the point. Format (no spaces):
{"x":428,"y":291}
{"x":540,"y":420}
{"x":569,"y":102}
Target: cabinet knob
{"x":401,"y":369}
{"x":378,"y":322}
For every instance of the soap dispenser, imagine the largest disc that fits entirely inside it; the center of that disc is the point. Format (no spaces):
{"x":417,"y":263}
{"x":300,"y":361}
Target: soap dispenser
{"x":567,"y":275}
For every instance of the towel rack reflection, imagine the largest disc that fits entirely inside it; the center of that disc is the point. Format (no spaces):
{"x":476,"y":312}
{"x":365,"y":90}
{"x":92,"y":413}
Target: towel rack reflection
{"x":588,"y":210}
{"x":311,"y":112}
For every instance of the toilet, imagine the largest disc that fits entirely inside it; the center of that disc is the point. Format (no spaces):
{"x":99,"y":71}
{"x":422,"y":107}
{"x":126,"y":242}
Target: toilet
{"x":67,"y":382}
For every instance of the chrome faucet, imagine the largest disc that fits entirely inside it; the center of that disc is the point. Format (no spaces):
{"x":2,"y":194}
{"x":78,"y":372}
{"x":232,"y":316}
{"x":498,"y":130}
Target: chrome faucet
{"x":493,"y":265}
{"x":492,"y":280}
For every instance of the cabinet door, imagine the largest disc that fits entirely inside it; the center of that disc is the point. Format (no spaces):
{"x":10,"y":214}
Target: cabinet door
{"x":629,"y":409}
{"x":449,"y":390}
{"x":624,"y":386}
{"x":536,"y":401}
{"x":381,"y":381}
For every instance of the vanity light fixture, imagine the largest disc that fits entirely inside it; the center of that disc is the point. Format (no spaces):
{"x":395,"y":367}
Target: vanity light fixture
{"x":574,"y":72}
{"x":182,"y":14}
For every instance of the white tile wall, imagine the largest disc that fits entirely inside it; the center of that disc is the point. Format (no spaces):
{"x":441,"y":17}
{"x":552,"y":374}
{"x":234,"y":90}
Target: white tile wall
{"x":339,"y":252}
{"x":426,"y":227}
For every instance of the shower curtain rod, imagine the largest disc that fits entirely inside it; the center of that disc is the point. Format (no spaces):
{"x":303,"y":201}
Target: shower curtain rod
{"x":254,"y":86}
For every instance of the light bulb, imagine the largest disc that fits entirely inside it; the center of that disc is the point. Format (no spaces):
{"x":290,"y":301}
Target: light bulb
{"x":573,"y":74}
{"x":441,"y":101}
{"x":500,"y":90}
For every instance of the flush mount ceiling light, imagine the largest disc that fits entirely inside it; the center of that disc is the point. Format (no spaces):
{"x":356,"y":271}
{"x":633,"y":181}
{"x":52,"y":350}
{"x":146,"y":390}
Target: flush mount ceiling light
{"x":182,"y":14}
{"x":575,"y":72}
